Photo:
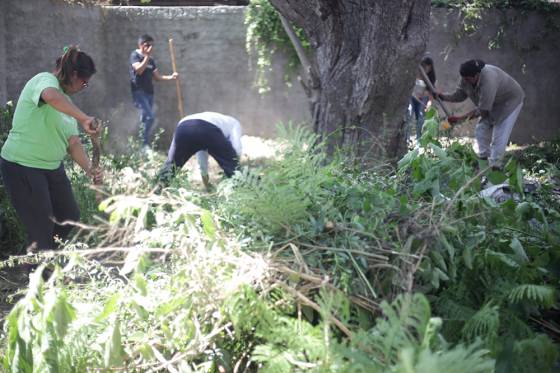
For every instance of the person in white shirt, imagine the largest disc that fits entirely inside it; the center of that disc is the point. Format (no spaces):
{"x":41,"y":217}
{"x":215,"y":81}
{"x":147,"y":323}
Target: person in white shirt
{"x":204,"y":133}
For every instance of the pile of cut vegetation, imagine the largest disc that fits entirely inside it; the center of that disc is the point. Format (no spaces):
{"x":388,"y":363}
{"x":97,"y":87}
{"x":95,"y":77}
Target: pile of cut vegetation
{"x":303,"y":262}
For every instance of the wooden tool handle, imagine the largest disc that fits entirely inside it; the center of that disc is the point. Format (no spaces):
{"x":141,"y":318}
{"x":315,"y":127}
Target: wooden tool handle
{"x":433,"y":90}
{"x":96,"y":155}
{"x":177,"y":82}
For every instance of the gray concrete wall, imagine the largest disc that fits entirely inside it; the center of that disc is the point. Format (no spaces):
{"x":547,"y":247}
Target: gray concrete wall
{"x":35,"y":32}
{"x":528,"y":49}
{"x":210,"y":54}
{"x":212,"y":63}
{"x":214,"y":66}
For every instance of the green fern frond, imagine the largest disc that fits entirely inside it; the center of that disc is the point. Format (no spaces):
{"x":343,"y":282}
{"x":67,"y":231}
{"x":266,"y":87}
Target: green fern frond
{"x":450,"y":309}
{"x":542,"y":294}
{"x":283,"y":194}
{"x":461,"y":359}
{"x":404,"y":325}
{"x":516,"y":326}
{"x":485,"y":323}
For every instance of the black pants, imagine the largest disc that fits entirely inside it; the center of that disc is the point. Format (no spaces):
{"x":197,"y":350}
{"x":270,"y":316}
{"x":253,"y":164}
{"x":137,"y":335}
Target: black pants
{"x":194,"y":135}
{"x":40,"y":197}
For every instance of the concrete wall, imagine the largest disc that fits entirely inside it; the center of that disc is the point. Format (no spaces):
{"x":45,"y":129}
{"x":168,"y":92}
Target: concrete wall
{"x":34,"y":35}
{"x":210,"y":54}
{"x":212,"y":63}
{"x":214,"y":66}
{"x":528,"y":50}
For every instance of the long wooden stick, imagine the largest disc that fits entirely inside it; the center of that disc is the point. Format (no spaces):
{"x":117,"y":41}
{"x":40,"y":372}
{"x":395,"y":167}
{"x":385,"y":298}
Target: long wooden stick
{"x":433,"y":89}
{"x":177,"y":82}
{"x":96,"y":157}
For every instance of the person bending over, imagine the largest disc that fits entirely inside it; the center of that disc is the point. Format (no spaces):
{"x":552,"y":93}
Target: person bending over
{"x":204,"y":133}
{"x":498,"y":99}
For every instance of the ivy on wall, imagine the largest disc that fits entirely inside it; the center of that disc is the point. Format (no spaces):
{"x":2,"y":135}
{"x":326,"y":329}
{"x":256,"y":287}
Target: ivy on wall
{"x":472,"y":12}
{"x":265,"y":34}
{"x":543,"y":5}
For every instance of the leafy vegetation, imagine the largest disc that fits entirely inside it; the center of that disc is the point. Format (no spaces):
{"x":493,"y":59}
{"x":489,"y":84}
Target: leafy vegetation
{"x":306,"y":263}
{"x":265,"y":36}
{"x":544,"y":5}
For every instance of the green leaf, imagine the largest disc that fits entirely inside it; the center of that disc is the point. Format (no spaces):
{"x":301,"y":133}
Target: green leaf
{"x":407,"y":159}
{"x":109,"y":307}
{"x":104,"y":205}
{"x":208,"y":224}
{"x":524,"y":211}
{"x":518,"y":180}
{"x":541,"y":294}
{"x":450,"y":248}
{"x":140,"y":284}
{"x":130,"y":262}
{"x":516,"y":176}
{"x":438,"y":259}
{"x":520,"y":253}
{"x":438,"y":151}
{"x":497,"y":177}
{"x":63,"y":315}
{"x":431,"y":113}
{"x":484,"y":323}
{"x":113,"y":353}
{"x":19,"y":354}
{"x":468,"y":257}
{"x":435,"y":278}
{"x":504,"y":258}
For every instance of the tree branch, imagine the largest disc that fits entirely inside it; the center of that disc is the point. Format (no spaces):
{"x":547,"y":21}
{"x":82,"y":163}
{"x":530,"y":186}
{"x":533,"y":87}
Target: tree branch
{"x":307,"y":68}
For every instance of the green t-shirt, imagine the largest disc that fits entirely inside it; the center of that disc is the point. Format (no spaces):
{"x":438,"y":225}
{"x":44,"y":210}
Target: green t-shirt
{"x":39,"y":134}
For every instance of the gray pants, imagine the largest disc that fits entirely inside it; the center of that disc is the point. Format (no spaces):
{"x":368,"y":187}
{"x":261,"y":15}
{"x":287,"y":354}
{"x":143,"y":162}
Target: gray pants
{"x":493,"y":139}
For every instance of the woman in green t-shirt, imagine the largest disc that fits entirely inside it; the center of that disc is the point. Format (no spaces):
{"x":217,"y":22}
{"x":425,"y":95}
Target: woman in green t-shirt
{"x":44,"y":130}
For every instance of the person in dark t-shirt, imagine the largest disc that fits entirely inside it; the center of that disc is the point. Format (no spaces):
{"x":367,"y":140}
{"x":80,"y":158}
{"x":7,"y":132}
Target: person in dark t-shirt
{"x":143,"y":71}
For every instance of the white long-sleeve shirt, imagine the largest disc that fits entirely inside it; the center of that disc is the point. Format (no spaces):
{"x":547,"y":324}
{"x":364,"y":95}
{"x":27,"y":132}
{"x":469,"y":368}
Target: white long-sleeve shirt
{"x":230,"y":127}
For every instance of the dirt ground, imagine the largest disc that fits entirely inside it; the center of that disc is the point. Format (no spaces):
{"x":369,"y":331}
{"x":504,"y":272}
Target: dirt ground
{"x":12,"y":279}
{"x":255,"y":151}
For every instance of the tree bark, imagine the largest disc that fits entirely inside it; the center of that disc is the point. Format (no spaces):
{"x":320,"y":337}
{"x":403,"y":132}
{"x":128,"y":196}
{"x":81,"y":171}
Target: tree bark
{"x":365,"y":53}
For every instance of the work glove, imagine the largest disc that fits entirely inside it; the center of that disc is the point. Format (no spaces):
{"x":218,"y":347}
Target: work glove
{"x":445,"y":126}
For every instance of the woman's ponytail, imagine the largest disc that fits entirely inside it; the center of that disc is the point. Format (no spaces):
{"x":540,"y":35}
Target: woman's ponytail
{"x":73,"y":60}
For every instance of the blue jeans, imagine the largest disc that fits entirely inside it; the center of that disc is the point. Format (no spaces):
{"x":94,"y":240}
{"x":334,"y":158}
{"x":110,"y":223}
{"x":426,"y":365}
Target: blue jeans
{"x":145,"y":102}
{"x":417,"y":107}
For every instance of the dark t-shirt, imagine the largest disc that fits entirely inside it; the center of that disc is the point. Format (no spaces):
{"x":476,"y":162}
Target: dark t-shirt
{"x":142,"y":82}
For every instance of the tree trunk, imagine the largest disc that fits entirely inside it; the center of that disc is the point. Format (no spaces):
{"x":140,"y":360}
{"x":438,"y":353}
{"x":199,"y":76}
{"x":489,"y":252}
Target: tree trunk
{"x":366,"y":54}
